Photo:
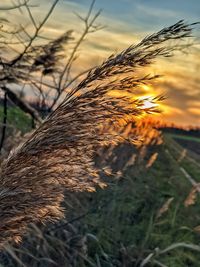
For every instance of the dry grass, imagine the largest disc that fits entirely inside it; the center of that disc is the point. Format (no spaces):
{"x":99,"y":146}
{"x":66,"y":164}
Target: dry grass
{"x":59,"y":155}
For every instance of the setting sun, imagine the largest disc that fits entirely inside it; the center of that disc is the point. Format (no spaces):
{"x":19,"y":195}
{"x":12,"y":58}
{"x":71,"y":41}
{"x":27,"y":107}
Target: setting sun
{"x":148,"y":102}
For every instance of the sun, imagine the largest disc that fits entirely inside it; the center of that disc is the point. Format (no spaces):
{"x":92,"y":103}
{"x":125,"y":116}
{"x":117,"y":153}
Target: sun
{"x":148,"y":102}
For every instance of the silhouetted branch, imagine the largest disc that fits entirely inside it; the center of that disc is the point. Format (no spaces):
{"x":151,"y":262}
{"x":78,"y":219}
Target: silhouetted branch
{"x":4,"y":121}
{"x":46,"y":66}
{"x":89,"y":23}
{"x":37,"y":30}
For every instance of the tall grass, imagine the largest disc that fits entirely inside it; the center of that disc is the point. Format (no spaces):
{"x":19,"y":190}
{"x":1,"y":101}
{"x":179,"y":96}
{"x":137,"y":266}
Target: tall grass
{"x":59,"y":154}
{"x":139,"y":220}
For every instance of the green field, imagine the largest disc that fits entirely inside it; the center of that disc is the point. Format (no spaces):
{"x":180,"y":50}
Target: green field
{"x":130,"y":223}
{"x":185,"y":137}
{"x":16,"y":120}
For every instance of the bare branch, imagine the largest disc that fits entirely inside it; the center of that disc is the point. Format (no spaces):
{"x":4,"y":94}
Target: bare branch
{"x":89,"y":23}
{"x":37,"y":30}
{"x":6,"y":8}
{"x":4,"y":121}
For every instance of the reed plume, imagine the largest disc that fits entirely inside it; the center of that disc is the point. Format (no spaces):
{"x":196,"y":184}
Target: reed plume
{"x":59,"y":154}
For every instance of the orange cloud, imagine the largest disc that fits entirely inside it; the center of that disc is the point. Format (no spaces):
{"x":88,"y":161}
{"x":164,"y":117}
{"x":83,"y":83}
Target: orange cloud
{"x":195,"y":111}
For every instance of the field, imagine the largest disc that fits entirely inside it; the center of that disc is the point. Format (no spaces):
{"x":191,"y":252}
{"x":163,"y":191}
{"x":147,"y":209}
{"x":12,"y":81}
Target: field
{"x":147,"y":216}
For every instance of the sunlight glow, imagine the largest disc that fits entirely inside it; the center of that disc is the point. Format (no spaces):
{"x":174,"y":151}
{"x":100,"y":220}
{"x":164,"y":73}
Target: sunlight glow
{"x":148,"y":102}
{"x":146,"y":87}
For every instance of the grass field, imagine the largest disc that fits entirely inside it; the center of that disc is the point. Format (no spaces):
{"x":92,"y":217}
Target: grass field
{"x":185,"y":137}
{"x":140,"y":219}
{"x":146,"y":213}
{"x":16,"y":120}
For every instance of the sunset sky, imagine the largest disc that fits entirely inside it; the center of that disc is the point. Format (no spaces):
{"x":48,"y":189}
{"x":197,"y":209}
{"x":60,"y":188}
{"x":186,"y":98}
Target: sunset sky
{"x":127,"y":22}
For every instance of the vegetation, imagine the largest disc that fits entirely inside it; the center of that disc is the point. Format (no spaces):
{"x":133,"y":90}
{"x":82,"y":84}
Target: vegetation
{"x":140,"y":214}
{"x":17,"y":120}
{"x":145,"y":210}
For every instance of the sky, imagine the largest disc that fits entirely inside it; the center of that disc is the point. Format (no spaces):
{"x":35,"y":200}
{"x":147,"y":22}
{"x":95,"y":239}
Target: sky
{"x":127,"y":22}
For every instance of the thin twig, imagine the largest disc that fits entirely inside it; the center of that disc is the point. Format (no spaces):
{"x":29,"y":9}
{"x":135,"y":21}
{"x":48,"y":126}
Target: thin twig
{"x":37,"y":30}
{"x":4,"y":121}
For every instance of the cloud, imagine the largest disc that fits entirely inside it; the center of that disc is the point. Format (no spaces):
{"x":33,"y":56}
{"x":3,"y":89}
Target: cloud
{"x":194,"y":111}
{"x":126,"y":23}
